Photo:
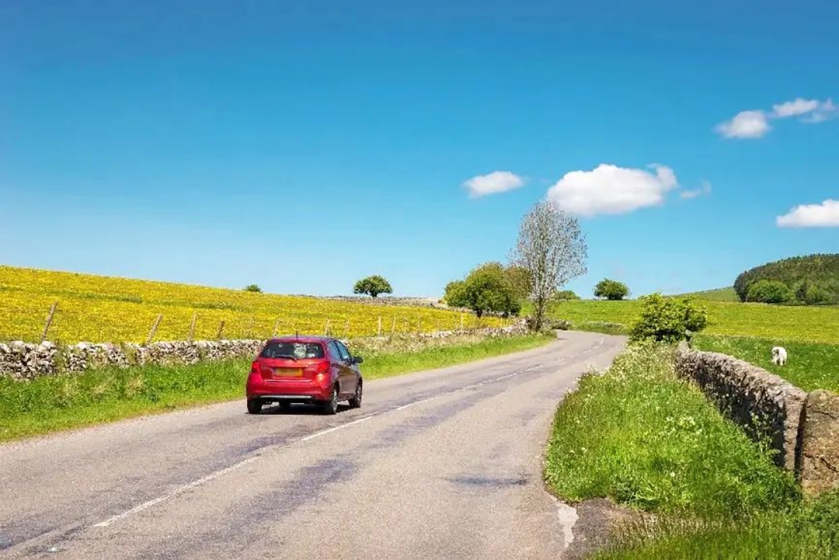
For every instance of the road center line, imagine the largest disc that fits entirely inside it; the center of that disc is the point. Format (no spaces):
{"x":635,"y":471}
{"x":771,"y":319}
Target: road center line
{"x":336,"y":428}
{"x":175,"y":492}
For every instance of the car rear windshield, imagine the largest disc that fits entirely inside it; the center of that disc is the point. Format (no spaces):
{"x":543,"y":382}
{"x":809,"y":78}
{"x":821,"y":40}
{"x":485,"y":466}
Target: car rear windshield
{"x":298,"y":350}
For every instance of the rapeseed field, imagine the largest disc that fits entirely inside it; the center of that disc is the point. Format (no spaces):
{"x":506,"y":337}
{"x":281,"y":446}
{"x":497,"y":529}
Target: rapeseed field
{"x":108,"y":309}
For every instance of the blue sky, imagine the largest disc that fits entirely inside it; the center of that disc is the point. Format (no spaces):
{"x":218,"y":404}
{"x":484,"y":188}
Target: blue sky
{"x":303,"y":144}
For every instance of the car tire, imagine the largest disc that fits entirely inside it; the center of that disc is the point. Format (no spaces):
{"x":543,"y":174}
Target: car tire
{"x":355,"y":402}
{"x":331,"y":406}
{"x":285,"y":406}
{"x":254,"y":406}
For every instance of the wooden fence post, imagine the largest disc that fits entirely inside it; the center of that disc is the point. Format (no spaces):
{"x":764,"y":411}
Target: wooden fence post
{"x":326,"y":328}
{"x":220,"y":330}
{"x":380,"y":326}
{"x":393,"y":326}
{"x":461,"y":320}
{"x":249,"y":331}
{"x":47,"y":325}
{"x":192,"y":326}
{"x":276,"y":327}
{"x":154,"y":326}
{"x":347,"y":329}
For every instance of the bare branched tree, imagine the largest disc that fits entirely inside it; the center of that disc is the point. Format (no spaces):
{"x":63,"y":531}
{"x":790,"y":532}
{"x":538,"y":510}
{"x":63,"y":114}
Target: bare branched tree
{"x":552,"y":248}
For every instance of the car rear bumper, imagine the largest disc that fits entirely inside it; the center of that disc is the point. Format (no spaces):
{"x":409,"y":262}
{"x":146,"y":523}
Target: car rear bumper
{"x":288,"y":391}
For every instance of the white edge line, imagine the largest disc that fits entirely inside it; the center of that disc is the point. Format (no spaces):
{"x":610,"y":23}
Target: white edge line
{"x":175,"y":492}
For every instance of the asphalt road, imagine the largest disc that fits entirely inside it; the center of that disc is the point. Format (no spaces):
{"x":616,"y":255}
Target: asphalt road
{"x":438,"y":464}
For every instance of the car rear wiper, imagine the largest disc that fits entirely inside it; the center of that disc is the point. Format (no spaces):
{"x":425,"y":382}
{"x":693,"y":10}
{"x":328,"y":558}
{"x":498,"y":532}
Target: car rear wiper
{"x":289,"y":356}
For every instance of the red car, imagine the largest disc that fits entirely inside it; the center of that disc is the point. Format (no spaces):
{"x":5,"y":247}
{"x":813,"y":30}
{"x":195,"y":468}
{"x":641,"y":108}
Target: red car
{"x":311,"y":369}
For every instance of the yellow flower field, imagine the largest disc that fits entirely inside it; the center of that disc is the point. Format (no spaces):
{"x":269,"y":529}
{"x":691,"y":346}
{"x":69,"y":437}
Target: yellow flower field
{"x":804,"y":324}
{"x":106,"y":309}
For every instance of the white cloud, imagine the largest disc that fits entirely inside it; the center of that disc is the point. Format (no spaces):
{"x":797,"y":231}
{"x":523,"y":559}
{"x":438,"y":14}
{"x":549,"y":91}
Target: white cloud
{"x":794,"y":108}
{"x":493,"y":183}
{"x":746,"y":124}
{"x":825,"y":214}
{"x":695,"y":193}
{"x":609,"y":189}
{"x":755,"y":124}
{"x":825,"y":111}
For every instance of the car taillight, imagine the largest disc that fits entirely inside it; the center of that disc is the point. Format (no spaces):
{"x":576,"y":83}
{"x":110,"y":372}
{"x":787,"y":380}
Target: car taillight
{"x":254,"y":370}
{"x":318,"y":368}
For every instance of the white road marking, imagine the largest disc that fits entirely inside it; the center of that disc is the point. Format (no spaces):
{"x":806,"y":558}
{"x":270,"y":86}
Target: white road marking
{"x":336,"y":428}
{"x":409,"y":405}
{"x":175,"y":492}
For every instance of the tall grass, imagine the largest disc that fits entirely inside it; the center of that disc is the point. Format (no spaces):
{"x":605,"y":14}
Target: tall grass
{"x":645,"y":438}
{"x":809,"y":531}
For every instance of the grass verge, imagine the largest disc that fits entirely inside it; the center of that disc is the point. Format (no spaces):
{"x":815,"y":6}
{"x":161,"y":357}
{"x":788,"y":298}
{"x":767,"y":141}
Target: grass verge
{"x":810,"y":366}
{"x":808,"y":531}
{"x":50,"y":404}
{"x":641,"y":436}
{"x":645,"y":438}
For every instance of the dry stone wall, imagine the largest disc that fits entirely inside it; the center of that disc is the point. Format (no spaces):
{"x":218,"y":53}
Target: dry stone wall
{"x":819,"y":453}
{"x":802,"y":427}
{"x":22,"y":361}
{"x":754,"y":398}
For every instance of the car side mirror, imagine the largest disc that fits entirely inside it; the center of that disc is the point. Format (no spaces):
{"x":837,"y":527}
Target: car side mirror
{"x":357,"y":359}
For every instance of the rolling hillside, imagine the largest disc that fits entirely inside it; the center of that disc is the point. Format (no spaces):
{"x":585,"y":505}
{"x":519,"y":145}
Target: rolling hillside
{"x":720,"y":294}
{"x":802,"y":323}
{"x":107,"y":309}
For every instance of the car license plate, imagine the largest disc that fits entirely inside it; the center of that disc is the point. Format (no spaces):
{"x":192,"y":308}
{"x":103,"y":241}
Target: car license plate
{"x":288,"y":372}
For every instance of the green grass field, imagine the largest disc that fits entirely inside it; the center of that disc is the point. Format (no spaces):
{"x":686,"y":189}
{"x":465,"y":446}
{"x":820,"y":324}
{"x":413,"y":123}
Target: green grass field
{"x":809,"y":366}
{"x":50,"y":404}
{"x":720,"y":294}
{"x":800,"y":324}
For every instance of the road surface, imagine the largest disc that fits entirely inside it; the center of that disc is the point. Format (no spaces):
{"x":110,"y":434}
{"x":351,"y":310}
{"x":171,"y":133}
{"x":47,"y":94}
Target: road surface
{"x":438,"y":464}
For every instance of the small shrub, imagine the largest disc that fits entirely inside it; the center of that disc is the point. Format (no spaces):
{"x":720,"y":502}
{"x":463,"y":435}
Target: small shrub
{"x":253,"y":288}
{"x":669,"y":320}
{"x":611,"y":290}
{"x":769,"y":291}
{"x":566,"y":295}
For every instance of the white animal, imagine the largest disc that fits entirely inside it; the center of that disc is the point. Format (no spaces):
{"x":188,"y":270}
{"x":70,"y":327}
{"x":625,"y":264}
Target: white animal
{"x":779,"y":356}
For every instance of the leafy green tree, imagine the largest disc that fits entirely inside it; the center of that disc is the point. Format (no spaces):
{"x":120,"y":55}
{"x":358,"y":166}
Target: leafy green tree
{"x":456,"y":294}
{"x":816,"y":295}
{"x":488,"y":288}
{"x":668,"y":319}
{"x":520,"y":281}
{"x":818,"y":271}
{"x":770,"y":291}
{"x":253,"y":288}
{"x":611,"y":290}
{"x":372,"y":286}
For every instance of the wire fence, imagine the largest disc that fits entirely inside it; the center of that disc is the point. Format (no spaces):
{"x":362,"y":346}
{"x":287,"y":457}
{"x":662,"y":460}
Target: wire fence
{"x":63,"y":323}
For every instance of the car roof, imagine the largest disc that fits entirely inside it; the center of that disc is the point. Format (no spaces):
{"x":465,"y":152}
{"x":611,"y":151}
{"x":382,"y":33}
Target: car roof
{"x":301,"y":338}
